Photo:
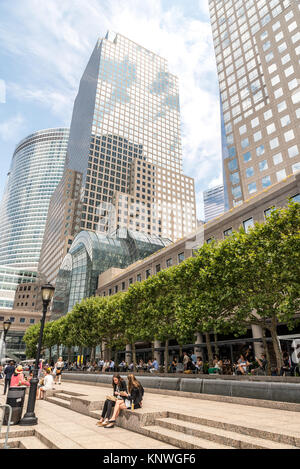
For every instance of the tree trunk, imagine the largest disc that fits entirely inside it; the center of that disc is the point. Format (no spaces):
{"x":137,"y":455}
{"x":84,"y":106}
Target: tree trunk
{"x":209,"y":349}
{"x":216,"y":346}
{"x":57,"y":349}
{"x":166,"y":359}
{"x":92,"y":358}
{"x":180,"y":351}
{"x":116,"y":357}
{"x":275,"y":340}
{"x":69,"y":355}
{"x":133,"y":354}
{"x":152,"y":350}
{"x":50,"y":356}
{"x":265,"y":344}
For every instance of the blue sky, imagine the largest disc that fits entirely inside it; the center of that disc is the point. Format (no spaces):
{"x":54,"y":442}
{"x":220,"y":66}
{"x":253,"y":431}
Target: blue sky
{"x":45,"y":46}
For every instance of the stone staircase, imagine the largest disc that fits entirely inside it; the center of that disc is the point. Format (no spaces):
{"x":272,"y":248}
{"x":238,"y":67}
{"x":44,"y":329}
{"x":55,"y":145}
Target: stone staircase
{"x":183,"y":431}
{"x":30,"y":442}
{"x":26,"y":439}
{"x":180,"y":431}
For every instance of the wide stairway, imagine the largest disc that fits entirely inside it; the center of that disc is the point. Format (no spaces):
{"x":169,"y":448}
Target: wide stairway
{"x":188,"y":432}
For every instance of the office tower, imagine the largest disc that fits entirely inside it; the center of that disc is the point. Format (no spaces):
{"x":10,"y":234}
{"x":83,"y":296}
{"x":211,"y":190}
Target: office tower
{"x":125,"y":143}
{"x":257,"y":47}
{"x":213,"y":202}
{"x":36,"y":169}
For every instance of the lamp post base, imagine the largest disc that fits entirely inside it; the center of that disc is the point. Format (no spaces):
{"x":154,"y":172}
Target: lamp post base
{"x":29,"y":417}
{"x":29,"y":420}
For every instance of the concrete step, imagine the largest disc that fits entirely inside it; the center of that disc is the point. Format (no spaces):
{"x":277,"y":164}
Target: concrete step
{"x":96,"y":414}
{"x":181,"y":440}
{"x":30,"y":442}
{"x":63,"y":395}
{"x":242,"y":430}
{"x":13,"y":443}
{"x":69,"y":393}
{"x":59,"y":401}
{"x":219,"y":435}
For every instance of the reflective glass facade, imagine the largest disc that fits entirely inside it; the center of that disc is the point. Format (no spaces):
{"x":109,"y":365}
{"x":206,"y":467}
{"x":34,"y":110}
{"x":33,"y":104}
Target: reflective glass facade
{"x":125,"y":144}
{"x":213,"y":202}
{"x":10,"y":278}
{"x":257,"y":47}
{"x":127,"y":111}
{"x":92,"y":254}
{"x":36,"y":169}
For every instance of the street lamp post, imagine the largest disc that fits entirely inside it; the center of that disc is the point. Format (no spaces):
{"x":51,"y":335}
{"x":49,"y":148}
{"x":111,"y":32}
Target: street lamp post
{"x":30,"y":418}
{"x":6,"y":327}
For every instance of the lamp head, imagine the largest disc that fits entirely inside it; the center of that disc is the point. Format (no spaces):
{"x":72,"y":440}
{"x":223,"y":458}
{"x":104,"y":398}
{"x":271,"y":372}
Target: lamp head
{"x":47,"y":292}
{"x":6,"y":325}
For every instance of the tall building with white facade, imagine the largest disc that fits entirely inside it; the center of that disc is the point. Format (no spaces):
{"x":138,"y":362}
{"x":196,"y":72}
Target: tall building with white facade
{"x":257,"y":47}
{"x":36,"y":169}
{"x":125,"y":143}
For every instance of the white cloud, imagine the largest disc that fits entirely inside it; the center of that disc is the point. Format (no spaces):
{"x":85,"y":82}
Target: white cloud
{"x":57,"y":38}
{"x":11,"y":127}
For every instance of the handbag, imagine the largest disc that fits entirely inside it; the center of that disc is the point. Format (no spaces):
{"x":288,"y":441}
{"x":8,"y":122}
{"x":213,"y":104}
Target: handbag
{"x":111,"y":398}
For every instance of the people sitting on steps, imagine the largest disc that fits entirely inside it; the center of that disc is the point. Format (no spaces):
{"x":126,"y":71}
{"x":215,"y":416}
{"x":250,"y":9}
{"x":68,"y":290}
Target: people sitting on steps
{"x":133,"y":399}
{"x":119,"y":387}
{"x":48,"y":382}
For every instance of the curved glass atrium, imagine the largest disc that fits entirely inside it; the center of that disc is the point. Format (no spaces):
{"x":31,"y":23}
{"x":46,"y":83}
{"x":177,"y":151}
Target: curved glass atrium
{"x":92,"y":254}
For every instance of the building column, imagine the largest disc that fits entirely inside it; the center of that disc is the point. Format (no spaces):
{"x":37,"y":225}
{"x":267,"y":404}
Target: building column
{"x":128,"y":354}
{"x":157,"y":344}
{"x":104,"y":351}
{"x":199,"y":340}
{"x":258,"y":346}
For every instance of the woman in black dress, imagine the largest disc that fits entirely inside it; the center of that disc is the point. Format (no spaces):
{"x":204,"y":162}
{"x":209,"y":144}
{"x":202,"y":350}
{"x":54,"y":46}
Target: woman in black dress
{"x":133,"y":399}
{"x":119,"y":386}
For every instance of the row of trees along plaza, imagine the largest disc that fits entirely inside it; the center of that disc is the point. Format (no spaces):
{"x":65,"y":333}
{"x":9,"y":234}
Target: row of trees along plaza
{"x":246,"y":279}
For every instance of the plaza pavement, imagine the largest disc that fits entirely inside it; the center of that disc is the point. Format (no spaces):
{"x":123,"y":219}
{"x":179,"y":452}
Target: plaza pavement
{"x":67,"y":428}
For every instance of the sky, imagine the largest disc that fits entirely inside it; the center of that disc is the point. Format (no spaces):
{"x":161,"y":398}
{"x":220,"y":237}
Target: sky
{"x":45,"y":46}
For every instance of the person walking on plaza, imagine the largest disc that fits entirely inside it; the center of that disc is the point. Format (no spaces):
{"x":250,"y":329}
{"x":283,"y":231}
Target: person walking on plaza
{"x":18,"y":378}
{"x":133,"y":399}
{"x":59,"y":365}
{"x":119,"y":387}
{"x":8,"y":372}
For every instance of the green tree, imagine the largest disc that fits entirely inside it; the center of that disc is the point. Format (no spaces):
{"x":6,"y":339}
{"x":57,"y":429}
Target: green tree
{"x":31,"y":338}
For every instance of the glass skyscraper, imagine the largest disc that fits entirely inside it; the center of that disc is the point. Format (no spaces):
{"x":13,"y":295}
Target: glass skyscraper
{"x":214,"y":204}
{"x":36,"y":169}
{"x":125,"y":143}
{"x":257,"y":47}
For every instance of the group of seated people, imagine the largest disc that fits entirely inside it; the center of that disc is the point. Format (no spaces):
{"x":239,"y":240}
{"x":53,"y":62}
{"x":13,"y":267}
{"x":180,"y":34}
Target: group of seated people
{"x":246,"y":363}
{"x":122,"y":398}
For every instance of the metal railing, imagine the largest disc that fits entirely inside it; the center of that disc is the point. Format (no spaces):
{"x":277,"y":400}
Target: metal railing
{"x":4,"y":407}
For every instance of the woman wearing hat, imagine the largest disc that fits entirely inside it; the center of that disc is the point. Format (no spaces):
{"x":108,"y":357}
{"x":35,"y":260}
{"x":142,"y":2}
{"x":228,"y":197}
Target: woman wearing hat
{"x":18,"y":378}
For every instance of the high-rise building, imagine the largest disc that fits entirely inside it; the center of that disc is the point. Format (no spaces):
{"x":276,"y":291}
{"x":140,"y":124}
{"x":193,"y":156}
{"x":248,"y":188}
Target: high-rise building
{"x":125,"y":144}
{"x":36,"y":169}
{"x":214,"y":204}
{"x":257,"y":47}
